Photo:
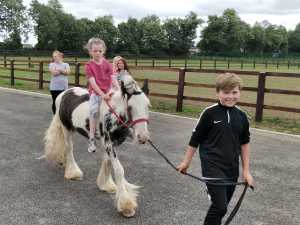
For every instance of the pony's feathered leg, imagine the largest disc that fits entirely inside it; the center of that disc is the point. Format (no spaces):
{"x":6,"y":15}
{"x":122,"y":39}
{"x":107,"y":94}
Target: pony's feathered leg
{"x":59,"y":148}
{"x":104,"y":180}
{"x":126,"y":194}
{"x":72,"y":170}
{"x":54,"y":141}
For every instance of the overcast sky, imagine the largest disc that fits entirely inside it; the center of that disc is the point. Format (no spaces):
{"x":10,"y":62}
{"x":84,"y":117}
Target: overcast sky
{"x":279,"y":12}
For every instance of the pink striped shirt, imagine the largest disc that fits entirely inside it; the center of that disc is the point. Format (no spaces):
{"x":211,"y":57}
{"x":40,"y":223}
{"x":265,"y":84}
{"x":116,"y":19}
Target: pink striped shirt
{"x":102,"y":73}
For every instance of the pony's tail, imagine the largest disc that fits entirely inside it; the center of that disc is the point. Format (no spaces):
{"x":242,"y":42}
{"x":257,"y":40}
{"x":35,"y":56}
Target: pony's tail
{"x":55,"y":145}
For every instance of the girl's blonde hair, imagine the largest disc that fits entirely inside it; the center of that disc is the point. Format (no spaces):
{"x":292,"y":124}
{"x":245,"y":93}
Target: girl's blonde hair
{"x":58,"y":53}
{"x":95,"y":41}
{"x":228,"y":81}
{"x":116,"y":59}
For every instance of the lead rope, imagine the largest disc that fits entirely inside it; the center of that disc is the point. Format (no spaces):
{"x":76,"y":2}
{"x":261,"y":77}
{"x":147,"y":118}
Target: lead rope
{"x":211,"y":181}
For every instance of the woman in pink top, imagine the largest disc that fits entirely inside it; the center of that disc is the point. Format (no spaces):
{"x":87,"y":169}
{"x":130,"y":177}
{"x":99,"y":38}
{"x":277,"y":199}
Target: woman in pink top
{"x":99,"y":73}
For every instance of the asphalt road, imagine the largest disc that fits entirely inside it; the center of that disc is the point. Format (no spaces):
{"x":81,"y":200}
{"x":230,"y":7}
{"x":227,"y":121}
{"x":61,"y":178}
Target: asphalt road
{"x":34,"y":191}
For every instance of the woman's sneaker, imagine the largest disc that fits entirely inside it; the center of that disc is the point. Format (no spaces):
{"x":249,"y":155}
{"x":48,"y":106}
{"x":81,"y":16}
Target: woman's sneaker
{"x":92,"y":145}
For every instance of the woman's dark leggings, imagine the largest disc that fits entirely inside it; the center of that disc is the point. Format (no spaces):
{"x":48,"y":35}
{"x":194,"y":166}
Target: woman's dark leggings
{"x":54,"y":94}
{"x":220,"y":198}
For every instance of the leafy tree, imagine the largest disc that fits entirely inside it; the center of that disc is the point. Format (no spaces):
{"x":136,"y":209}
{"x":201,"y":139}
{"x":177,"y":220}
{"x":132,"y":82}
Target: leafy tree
{"x":256,"y":40}
{"x":46,"y":25}
{"x":14,"y":41}
{"x":55,"y":5}
{"x":294,"y":39}
{"x":69,"y":33}
{"x":103,"y":27}
{"x":129,"y":36}
{"x":84,"y":27}
{"x":276,"y":39}
{"x":153,"y":41}
{"x":213,"y":36}
{"x":227,"y":33}
{"x":13,"y":19}
{"x":180,"y":33}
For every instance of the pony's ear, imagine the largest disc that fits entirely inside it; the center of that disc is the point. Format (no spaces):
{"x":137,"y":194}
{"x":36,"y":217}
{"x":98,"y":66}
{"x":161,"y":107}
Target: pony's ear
{"x":145,"y":87}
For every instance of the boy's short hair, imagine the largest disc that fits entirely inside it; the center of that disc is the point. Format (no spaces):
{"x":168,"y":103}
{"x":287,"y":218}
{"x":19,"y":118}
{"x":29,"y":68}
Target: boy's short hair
{"x":228,"y":81}
{"x":96,"y":41}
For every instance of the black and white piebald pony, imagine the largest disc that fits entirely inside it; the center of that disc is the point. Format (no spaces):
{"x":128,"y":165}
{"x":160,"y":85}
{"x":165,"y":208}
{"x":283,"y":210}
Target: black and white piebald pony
{"x":128,"y":104}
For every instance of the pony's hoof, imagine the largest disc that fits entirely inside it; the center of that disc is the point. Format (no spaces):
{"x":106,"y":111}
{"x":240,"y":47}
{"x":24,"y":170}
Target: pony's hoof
{"x":128,"y":213}
{"x":74,"y":175}
{"x":111,"y":190}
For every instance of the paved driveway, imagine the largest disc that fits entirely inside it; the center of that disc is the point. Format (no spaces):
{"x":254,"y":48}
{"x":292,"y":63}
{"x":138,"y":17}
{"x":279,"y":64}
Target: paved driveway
{"x":34,"y":191}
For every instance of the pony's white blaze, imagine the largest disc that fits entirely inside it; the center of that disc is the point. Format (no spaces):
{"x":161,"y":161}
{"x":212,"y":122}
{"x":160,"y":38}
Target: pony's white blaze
{"x":73,"y":115}
{"x":139,"y":106}
{"x":140,"y":112}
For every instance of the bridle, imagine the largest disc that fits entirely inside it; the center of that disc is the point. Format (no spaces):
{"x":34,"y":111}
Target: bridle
{"x":130,"y":123}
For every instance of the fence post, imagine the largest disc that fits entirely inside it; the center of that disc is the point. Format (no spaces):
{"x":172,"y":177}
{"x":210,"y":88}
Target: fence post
{"x":185,"y":62}
{"x":200,"y":65}
{"x":41,"y":71}
{"x":145,"y":87}
{"x":136,"y":61}
{"x":260,"y":96}
{"x":228,"y":64}
{"x":29,"y":62}
{"x":75,"y":59}
{"x":277,"y":64}
{"x":254,"y":64}
{"x":180,"y":91}
{"x":289,"y":64}
{"x":5,"y":62}
{"x":242,"y":64}
{"x":153,"y":63}
{"x":170,"y":62}
{"x":12,"y":73}
{"x":77,"y":73}
{"x":215,"y":64}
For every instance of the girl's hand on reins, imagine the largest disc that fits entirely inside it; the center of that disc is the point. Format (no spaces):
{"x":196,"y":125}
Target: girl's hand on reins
{"x":107,"y":96}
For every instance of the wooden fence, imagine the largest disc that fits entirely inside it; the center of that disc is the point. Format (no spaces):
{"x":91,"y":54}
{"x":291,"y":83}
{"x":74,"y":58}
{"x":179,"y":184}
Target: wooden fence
{"x":201,"y":63}
{"x":180,"y":83}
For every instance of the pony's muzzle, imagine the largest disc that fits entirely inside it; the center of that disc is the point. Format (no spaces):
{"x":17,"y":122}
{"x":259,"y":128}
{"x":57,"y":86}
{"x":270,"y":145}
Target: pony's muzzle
{"x":143,"y":137}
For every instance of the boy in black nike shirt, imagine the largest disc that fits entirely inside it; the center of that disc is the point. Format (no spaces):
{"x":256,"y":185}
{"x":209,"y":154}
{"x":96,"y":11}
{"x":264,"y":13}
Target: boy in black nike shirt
{"x":222,"y":135}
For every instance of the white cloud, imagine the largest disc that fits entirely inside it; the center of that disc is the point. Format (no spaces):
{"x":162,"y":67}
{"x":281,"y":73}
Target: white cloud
{"x":286,"y":13}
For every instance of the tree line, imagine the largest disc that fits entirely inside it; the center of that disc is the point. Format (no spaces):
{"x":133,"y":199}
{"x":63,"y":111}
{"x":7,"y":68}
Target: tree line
{"x":226,"y":34}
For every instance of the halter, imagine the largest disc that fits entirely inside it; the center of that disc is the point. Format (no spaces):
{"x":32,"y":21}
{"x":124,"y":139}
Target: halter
{"x":130,"y":123}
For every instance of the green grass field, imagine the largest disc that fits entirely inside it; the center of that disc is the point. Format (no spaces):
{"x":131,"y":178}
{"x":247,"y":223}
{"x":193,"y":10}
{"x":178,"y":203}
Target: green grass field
{"x":268,"y":64}
{"x":272,"y":120}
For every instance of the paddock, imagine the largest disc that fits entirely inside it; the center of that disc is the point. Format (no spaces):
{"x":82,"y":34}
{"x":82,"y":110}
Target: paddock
{"x":34,"y":191}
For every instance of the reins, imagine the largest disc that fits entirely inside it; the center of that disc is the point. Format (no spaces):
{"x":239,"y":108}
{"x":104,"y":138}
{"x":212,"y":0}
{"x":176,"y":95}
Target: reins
{"x":207,"y":180}
{"x":127,"y":125}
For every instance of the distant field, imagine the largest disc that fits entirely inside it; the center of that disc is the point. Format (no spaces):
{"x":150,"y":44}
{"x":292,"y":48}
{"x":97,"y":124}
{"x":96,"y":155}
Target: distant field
{"x":276,"y":120}
{"x":269,"y":64}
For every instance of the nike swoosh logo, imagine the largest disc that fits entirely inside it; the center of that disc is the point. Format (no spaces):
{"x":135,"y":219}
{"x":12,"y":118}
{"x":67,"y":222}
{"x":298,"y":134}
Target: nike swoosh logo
{"x":217,"y":121}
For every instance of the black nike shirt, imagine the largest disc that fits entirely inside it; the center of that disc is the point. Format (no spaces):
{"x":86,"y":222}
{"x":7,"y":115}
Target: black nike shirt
{"x":219,"y":133}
